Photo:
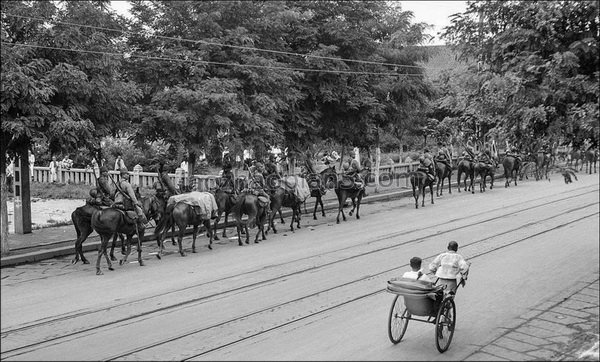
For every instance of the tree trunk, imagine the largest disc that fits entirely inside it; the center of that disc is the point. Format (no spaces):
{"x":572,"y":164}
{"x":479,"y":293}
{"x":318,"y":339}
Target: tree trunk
{"x":4,"y":210}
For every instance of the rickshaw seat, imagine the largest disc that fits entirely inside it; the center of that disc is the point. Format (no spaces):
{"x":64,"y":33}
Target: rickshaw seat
{"x":419,"y":296}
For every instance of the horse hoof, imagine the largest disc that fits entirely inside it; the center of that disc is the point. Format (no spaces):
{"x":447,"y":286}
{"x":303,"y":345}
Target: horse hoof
{"x":314,"y":218}
{"x":112,"y":258}
{"x":121,"y":262}
{"x":158,"y":257}
{"x":194,"y":250}
{"x":210,"y":247}
{"x":217,"y":238}
{"x":74,"y":261}
{"x":85,"y":261}
{"x":111,"y":268}
{"x":141,"y":263}
{"x":174,"y":243}
{"x":122,"y":252}
{"x":183,"y":254}
{"x":99,"y":272}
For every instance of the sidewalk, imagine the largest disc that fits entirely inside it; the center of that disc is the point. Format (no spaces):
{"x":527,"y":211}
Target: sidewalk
{"x":51,"y":242}
{"x":564,"y":328}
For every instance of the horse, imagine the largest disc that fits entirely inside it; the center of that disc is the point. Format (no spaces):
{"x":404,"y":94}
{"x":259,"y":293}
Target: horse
{"x":319,"y":184}
{"x":590,"y":158}
{"x":109,"y":221}
{"x":443,"y":171}
{"x":346,"y":188}
{"x":483,"y":170}
{"x":225,"y":199}
{"x":248,"y":204}
{"x":466,"y":167}
{"x":542,"y":162}
{"x":82,"y":221}
{"x":511,"y":165}
{"x":419,"y":181}
{"x":284,"y":197}
{"x":576,"y":155}
{"x":182,"y":214}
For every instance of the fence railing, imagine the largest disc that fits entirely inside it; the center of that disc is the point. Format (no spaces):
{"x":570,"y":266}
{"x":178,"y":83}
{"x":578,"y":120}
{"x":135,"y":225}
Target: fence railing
{"x":87,"y":176}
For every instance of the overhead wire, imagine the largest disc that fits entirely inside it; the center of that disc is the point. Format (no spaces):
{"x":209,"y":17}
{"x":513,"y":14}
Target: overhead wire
{"x":225,"y":45}
{"x":124,"y":55}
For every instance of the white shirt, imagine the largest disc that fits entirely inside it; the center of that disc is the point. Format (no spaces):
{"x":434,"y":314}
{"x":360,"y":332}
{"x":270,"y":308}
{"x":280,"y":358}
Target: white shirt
{"x":449,"y":265}
{"x":415,"y":274}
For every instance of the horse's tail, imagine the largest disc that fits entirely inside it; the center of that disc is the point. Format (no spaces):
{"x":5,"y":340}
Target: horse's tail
{"x":166,"y":221}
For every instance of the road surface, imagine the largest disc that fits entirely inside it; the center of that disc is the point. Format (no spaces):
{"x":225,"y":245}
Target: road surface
{"x":315,"y":294}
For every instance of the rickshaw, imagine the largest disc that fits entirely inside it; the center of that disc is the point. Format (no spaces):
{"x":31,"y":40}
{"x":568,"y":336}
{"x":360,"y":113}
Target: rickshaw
{"x":431,"y":303}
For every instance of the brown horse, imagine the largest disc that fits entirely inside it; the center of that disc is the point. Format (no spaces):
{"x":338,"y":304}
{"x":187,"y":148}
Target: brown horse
{"x":284,"y":197}
{"x":346,"y":188}
{"x":467,"y":168}
{"x":182,"y":215}
{"x":542,"y":163}
{"x":576,"y":156}
{"x":590,"y":159}
{"x":443,"y":171}
{"x":483,"y":170}
{"x":107,"y":222}
{"x":511,"y":165}
{"x":319,"y":184}
{"x":248,"y":204}
{"x":82,"y":221}
{"x":419,"y":181}
{"x":225,"y":196}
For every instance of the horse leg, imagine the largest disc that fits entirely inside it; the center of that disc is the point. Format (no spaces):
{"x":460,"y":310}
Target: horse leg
{"x":127,"y":251}
{"x":173,"y":234}
{"x":341,"y":201}
{"x":194,"y":234}
{"x":210,"y":234}
{"x":431,"y":192}
{"x":458,"y":180}
{"x":122,"y":242}
{"x":281,"y":216}
{"x":239,"y":228}
{"x":108,"y":261}
{"x":79,"y":245}
{"x":101,"y":249}
{"x":216,"y":236}
{"x":472,"y":186}
{"x":321,"y":203}
{"x":140,"y":236}
{"x":180,"y":238}
{"x":112,"y":247}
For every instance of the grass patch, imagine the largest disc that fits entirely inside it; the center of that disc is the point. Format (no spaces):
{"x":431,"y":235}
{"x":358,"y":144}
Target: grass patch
{"x":53,"y":191}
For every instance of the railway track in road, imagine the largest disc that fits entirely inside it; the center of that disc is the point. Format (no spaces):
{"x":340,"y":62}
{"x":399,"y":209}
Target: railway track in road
{"x":88,"y":320}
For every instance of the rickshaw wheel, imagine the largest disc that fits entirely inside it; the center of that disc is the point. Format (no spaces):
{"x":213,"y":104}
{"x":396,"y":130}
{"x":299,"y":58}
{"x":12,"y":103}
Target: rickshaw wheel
{"x":398,"y":319}
{"x":445,"y":324}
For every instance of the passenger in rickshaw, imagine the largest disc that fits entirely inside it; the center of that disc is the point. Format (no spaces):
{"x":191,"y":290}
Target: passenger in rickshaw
{"x":416,"y":273}
{"x":450,"y":268}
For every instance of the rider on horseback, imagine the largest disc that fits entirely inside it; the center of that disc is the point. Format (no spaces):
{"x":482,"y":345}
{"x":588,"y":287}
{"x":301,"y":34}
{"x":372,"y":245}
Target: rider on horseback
{"x":227,"y":183}
{"x":164,"y":187}
{"x":353,"y":172}
{"x":103,"y":194}
{"x":126,"y":200}
{"x":426,"y":165}
{"x":272,"y":174}
{"x":443,"y":156}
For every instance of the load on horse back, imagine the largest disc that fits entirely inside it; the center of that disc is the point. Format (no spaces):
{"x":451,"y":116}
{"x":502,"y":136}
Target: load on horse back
{"x":257,"y":211}
{"x":194,"y":208}
{"x":484,"y":166}
{"x":292,"y":192}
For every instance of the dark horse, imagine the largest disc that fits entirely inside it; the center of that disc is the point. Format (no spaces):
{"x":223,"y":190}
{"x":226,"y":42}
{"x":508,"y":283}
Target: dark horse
{"x":443,"y":171}
{"x":319,"y":184}
{"x":248,"y":204}
{"x":542,"y":163}
{"x":346,"y":188}
{"x":284,"y":197}
{"x":109,"y":221}
{"x":467,"y":168}
{"x":420,"y":181}
{"x":226,"y":198}
{"x":511,"y":165}
{"x":82,"y":220}
{"x":182,"y":215}
{"x":590,"y":158}
{"x":483,"y":170}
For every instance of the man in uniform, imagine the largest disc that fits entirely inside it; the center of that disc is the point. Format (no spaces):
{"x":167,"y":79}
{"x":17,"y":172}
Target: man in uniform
{"x":426,"y":165}
{"x":105,"y":191}
{"x":125,"y":198}
{"x":227,"y":183}
{"x":271,"y":173}
{"x":353,"y":171}
{"x":165,"y":187}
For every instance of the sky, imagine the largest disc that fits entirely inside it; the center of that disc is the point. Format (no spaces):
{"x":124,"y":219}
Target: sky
{"x":436,"y":13}
{"x":432,"y":12}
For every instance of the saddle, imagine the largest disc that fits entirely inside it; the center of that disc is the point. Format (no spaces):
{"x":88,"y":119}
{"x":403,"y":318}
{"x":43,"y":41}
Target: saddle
{"x":130,"y":216}
{"x":263,"y":201}
{"x":427,"y":171}
{"x":351,"y":182}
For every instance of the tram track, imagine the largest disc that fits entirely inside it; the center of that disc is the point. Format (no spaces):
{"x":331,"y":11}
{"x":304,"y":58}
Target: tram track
{"x":188,"y":303}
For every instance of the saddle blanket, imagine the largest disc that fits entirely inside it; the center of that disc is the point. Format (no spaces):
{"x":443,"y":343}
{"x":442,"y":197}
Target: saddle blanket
{"x":297,"y":185}
{"x":204,"y":200}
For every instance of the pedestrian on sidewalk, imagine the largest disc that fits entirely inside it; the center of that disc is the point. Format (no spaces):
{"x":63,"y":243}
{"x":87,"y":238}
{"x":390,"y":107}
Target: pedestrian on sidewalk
{"x":53,"y":170}
{"x":31,"y":163}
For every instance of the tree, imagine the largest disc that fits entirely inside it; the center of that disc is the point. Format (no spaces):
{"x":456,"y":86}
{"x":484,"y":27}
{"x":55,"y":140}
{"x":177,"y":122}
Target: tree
{"x":541,"y":61}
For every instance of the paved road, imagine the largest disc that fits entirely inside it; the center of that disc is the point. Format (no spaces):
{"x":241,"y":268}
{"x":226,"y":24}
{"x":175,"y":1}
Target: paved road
{"x":319,"y":293}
